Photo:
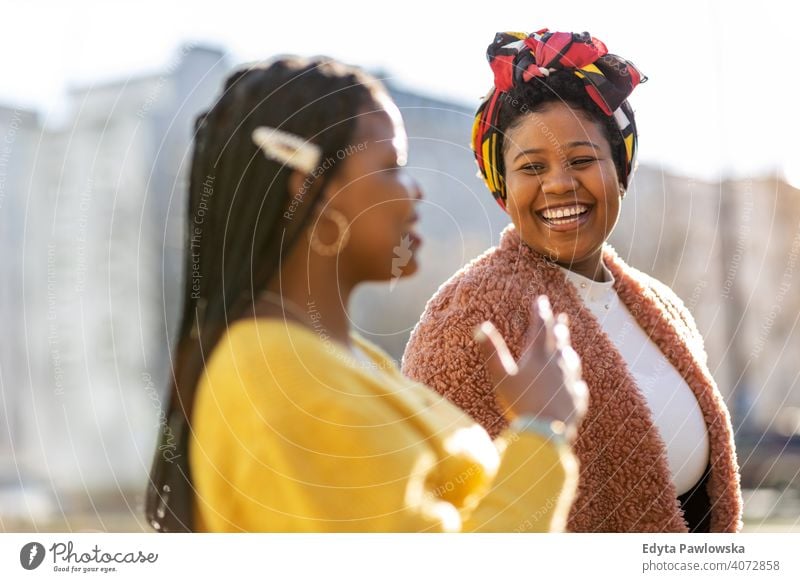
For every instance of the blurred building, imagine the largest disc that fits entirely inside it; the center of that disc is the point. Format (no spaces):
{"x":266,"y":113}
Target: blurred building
{"x":21,"y":368}
{"x":93,"y":211}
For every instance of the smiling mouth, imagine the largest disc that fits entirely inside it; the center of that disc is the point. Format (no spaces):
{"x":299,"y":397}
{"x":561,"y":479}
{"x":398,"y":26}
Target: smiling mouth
{"x":565,"y":215}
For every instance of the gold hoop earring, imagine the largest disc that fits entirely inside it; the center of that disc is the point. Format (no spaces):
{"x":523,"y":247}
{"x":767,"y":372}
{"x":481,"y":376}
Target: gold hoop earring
{"x":334,"y":248}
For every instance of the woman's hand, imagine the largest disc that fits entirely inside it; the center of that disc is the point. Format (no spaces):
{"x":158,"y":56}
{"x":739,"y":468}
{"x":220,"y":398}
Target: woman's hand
{"x":546,"y":382}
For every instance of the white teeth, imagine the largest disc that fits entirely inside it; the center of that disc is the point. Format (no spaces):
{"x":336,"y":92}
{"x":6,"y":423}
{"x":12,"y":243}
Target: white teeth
{"x":564,"y":212}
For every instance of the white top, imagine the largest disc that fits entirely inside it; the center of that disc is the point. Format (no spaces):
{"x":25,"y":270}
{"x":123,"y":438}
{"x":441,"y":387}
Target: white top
{"x":674,"y":408}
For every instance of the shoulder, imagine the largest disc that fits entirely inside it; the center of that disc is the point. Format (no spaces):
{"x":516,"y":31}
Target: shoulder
{"x":269,"y":342}
{"x":268,"y":363}
{"x":379,"y":359}
{"x":647,"y":283}
{"x":481,"y":288}
{"x":287,"y":389}
{"x":669,"y":303}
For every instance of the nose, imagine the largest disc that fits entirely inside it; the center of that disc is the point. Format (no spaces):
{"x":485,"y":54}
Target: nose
{"x":558,"y":180}
{"x":416,"y":192}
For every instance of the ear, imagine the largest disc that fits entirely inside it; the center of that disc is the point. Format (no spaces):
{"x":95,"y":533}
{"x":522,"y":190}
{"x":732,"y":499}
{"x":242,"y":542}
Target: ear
{"x":300,"y":185}
{"x":622,"y":192}
{"x":332,"y":187}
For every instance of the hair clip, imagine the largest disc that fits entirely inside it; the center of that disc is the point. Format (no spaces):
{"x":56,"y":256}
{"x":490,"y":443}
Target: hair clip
{"x":287,"y":148}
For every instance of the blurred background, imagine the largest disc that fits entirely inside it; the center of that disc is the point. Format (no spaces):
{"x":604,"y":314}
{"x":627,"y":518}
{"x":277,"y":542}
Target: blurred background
{"x":97,"y":103}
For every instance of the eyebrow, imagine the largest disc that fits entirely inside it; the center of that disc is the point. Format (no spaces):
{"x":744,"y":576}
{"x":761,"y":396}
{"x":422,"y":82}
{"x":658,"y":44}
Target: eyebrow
{"x":572,"y":144}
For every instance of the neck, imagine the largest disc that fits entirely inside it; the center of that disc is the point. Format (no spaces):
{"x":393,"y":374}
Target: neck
{"x":591,"y":267}
{"x":318,"y":294}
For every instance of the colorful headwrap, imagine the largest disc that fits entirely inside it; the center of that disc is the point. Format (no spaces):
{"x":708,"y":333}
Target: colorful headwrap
{"x":516,"y":58}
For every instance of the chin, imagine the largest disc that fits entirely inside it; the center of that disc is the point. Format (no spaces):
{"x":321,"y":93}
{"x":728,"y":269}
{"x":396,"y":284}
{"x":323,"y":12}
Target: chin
{"x":564,"y":251}
{"x":410,"y":269}
{"x":397,"y":270}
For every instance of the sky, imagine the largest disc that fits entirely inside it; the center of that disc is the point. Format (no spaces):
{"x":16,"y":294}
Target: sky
{"x":721,"y":98}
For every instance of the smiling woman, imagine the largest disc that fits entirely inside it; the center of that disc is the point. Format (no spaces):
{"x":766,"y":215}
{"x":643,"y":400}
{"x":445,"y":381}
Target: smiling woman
{"x":555,"y":141}
{"x":564,"y":189}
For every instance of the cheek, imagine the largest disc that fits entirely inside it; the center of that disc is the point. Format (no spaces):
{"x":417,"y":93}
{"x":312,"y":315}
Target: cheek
{"x":608,"y":192}
{"x":378,"y":228}
{"x":521,"y":191}
{"x":613,"y":206}
{"x":380,"y":207}
{"x":377,"y":244}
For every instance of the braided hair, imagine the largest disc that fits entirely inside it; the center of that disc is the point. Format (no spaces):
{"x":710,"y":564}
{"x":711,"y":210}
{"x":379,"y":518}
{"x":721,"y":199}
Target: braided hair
{"x":239,"y":230}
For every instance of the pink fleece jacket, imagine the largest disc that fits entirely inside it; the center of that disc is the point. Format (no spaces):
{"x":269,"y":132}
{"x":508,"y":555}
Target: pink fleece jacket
{"x":625,"y":483}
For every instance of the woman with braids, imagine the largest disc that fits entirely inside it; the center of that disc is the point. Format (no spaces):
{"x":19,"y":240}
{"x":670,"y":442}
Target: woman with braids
{"x":555,"y":141}
{"x":281,"y":417}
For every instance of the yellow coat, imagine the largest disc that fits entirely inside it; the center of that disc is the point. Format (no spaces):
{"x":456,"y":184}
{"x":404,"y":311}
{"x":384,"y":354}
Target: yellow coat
{"x":292,"y":433}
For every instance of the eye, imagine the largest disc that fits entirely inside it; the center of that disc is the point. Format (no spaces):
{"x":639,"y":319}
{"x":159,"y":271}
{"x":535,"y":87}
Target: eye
{"x":533,"y":168}
{"x":582,"y":161}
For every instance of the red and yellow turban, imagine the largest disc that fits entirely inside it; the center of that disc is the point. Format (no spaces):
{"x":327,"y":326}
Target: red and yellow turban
{"x":517,"y":58}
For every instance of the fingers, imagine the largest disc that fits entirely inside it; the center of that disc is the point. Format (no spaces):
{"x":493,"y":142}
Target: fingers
{"x":552,"y":366}
{"x":540,"y":317}
{"x":499,"y":361}
{"x":561,"y":332}
{"x":570,"y":364}
{"x":545,"y":312}
{"x":536,"y":335}
{"x":569,"y":360}
{"x":581,"y":392}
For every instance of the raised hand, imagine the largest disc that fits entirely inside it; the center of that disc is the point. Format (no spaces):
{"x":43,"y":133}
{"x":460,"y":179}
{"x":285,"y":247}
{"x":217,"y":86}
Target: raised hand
{"x":546,"y":381}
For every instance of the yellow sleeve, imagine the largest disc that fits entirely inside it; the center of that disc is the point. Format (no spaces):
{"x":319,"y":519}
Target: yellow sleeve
{"x":289,"y":450}
{"x":533,"y":489}
{"x":294,"y":447}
